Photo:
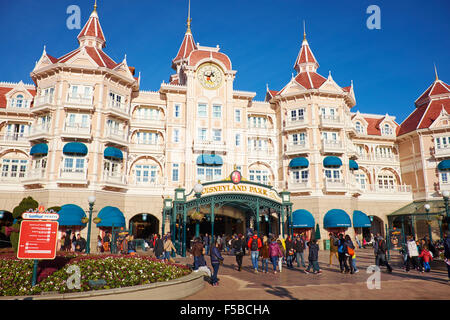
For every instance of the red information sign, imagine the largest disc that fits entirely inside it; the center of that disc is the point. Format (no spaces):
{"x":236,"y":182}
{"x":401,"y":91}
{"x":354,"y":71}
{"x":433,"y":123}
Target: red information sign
{"x":37,"y":239}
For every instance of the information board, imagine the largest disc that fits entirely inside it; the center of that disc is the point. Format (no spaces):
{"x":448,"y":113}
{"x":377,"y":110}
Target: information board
{"x":37,"y":239}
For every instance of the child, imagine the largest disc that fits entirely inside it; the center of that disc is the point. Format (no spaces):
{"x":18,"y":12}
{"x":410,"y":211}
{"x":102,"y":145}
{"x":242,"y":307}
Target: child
{"x":355,"y":269}
{"x":313,"y":257}
{"x":426,"y":257}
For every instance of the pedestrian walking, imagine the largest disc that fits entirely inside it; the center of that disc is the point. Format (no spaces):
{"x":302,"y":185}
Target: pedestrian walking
{"x":238,"y":246}
{"x":106,"y":242}
{"x":131,"y":244}
{"x":341,"y":254}
{"x":381,"y":253}
{"x":206,"y":243}
{"x":265,"y":256}
{"x":99,"y":244}
{"x":299,"y":247}
{"x":283,"y":251}
{"x":333,"y":248}
{"x":447,"y":252}
{"x":357,"y":241}
{"x":254,"y":245}
{"x":158,"y":248}
{"x":289,"y":252}
{"x":198,"y":252}
{"x":168,"y":247}
{"x":426,"y":257}
{"x":313,"y":257}
{"x":216,"y":261}
{"x":349,"y":252}
{"x":275,"y":253}
{"x":413,"y":255}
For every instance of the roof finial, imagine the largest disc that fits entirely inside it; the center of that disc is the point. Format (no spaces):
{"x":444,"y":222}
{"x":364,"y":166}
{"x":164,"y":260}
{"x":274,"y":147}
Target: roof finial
{"x":435,"y":72}
{"x":189,"y":18}
{"x":95,"y":5}
{"x":304,"y":30}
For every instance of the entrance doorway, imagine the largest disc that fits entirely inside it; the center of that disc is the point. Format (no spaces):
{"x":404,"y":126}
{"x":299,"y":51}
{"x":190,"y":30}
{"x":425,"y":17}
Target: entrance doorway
{"x":144,"y":225}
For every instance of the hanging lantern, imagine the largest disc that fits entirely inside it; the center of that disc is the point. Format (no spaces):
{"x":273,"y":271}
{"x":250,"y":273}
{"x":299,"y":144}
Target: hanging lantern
{"x":144,"y":217}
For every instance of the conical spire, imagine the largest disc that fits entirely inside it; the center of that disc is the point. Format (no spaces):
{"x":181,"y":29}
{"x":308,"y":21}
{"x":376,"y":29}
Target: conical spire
{"x":305,"y":59}
{"x":435,"y":72}
{"x":188,"y":44}
{"x":92,"y":34}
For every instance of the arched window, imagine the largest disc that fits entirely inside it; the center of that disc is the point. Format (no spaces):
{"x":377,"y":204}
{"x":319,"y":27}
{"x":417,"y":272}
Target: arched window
{"x":259,"y":173}
{"x":18,"y":102}
{"x":146,"y":172}
{"x":387,"y":129}
{"x":386,"y":180}
{"x":358,"y":127}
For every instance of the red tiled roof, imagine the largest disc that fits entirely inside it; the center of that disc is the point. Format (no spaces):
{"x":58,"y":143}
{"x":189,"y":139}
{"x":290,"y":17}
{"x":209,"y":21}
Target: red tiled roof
{"x":198,"y":55}
{"x":347,"y":89}
{"x":310,"y":80}
{"x":92,"y":28}
{"x":439,"y":88}
{"x":187,"y":46}
{"x":373,"y":126}
{"x":433,"y":111}
{"x":304,"y":56}
{"x":3,"y":92}
{"x":436,"y":88}
{"x":410,"y":123}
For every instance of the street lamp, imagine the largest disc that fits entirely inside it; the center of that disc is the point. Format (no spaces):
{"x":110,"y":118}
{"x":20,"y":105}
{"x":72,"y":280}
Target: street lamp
{"x":91,"y":200}
{"x":427,"y":209}
{"x":446,"y":195}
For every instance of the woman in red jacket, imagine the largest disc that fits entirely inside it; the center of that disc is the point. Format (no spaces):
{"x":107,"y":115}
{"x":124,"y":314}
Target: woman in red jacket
{"x":426,"y":257}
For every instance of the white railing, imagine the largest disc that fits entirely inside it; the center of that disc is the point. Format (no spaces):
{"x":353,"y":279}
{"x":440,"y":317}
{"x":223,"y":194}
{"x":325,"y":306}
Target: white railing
{"x":40,"y":129}
{"x":14,"y":137}
{"x":209,"y":144}
{"x":43,"y":100}
{"x":332,"y":183}
{"x":16,"y":176}
{"x":113,"y":177}
{"x":295,"y":122}
{"x":77,"y":128}
{"x":388,"y":189}
{"x":300,"y":146}
{"x":80,"y":100}
{"x":148,"y":122}
{"x":32,"y":174}
{"x":329,"y":119}
{"x":151,"y":183}
{"x":299,"y":184}
{"x":378,"y":157}
{"x":260,"y":130}
{"x":116,"y":134}
{"x":118,"y":106}
{"x":73,"y":174}
{"x":332,"y":145}
{"x":442,"y":150}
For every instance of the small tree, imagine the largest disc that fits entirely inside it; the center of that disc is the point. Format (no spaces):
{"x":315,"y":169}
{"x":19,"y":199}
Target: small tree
{"x":24,"y":205}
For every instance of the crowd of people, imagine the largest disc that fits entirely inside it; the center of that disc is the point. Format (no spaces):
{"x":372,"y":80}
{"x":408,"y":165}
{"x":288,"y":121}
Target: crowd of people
{"x":74,"y":243}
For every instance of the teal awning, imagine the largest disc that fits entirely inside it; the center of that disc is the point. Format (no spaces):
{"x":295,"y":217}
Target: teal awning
{"x":111,"y":152}
{"x":77,"y":148}
{"x":353,"y":165}
{"x":444,"y":165}
{"x":111,"y":216}
{"x":71,"y":215}
{"x":302,"y":218}
{"x":336,"y":218}
{"x":209,"y":159}
{"x":300,"y":162}
{"x":332,"y":162}
{"x":360,"y":220}
{"x":39,"y":149}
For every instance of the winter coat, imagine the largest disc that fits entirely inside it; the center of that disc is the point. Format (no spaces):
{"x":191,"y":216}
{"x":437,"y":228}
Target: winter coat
{"x":215,"y":255}
{"x":313,"y":252}
{"x":426,"y":256}
{"x":238,"y":247}
{"x":249,"y":244}
{"x":299,"y":245}
{"x":289,"y":244}
{"x":168,"y":246}
{"x":197,"y":249}
{"x":412,"y":249}
{"x":159,"y":247}
{"x":274,"y":250}
{"x":333,"y":246}
{"x":265,"y":251}
{"x":447,"y":247}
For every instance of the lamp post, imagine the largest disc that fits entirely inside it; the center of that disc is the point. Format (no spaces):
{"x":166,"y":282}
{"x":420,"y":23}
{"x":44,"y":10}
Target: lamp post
{"x":446,"y":195}
{"x":91,"y":200}
{"x":198,"y":189}
{"x":167,"y":207}
{"x":427,"y":209}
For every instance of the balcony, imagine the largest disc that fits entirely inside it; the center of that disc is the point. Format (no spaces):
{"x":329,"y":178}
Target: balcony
{"x":119,"y":109}
{"x":34,"y":176}
{"x":114,"y":180}
{"x":255,"y":131}
{"x":144,"y":147}
{"x":332,"y":146}
{"x":43,"y":103}
{"x":297,"y":123}
{"x":299,"y":148}
{"x":261,"y":154}
{"x":40,"y":132}
{"x":73,"y":176}
{"x":118,"y":137}
{"x":299,"y":185}
{"x":443,"y":185}
{"x":441,"y":151}
{"x":335,"y":185}
{"x":392,"y":189}
{"x":384,"y":159}
{"x":12,"y":177}
{"x":329,"y":121}
{"x":147,"y":123}
{"x":208,"y":145}
{"x":76,"y":130}
{"x":14,"y":140}
{"x":79,"y":102}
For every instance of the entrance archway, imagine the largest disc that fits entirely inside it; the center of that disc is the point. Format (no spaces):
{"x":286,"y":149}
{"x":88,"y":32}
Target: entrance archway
{"x":144,"y":225}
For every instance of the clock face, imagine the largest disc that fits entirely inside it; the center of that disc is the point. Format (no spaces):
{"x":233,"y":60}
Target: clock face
{"x":209,"y":75}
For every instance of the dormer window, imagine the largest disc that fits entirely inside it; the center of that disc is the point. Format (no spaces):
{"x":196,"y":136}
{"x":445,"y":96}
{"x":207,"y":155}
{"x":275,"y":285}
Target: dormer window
{"x":359,"y":127}
{"x":19,"y":102}
{"x":386,"y":129}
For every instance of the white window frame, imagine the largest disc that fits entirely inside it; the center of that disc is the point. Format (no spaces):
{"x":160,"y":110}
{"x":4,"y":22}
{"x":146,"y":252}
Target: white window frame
{"x":202,"y":113}
{"x":217,"y":114}
{"x":177,"y":110}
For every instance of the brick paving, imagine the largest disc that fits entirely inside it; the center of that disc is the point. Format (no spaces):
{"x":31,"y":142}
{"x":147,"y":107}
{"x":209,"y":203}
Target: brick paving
{"x":331,"y":284}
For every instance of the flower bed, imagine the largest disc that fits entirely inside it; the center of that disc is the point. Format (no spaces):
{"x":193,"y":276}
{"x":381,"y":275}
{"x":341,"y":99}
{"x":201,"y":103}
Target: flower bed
{"x":116,"y":271}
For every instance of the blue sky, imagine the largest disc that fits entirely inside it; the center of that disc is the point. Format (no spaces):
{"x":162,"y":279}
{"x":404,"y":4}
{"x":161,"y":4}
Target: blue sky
{"x":389,"y":67}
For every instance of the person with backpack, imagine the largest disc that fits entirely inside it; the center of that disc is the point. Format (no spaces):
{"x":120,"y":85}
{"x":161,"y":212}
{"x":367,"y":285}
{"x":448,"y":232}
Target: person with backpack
{"x":289,"y":252}
{"x":216,"y":261}
{"x":254,"y":244}
{"x":313,"y":257}
{"x":349,"y":252}
{"x":238,"y":246}
{"x":381,"y":253}
{"x":341,"y":253}
{"x":274,"y":253}
{"x":299,"y":247}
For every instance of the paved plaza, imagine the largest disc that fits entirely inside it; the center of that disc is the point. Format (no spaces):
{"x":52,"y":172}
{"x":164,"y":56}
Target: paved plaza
{"x":331,"y":284}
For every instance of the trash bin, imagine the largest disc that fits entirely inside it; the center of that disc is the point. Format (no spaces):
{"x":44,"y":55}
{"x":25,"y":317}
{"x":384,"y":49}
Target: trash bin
{"x":326,"y":244}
